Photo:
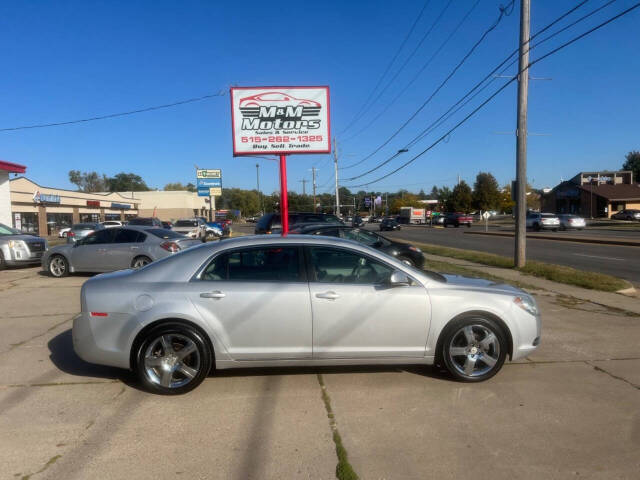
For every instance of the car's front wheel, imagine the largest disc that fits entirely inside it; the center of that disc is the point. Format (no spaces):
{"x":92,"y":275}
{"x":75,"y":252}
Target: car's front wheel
{"x":172,"y":359}
{"x":58,"y":266}
{"x":140,"y":262}
{"x":473,"y":348}
{"x":406,"y":261}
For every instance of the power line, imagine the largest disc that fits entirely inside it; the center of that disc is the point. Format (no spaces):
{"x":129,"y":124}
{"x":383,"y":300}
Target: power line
{"x":114,"y":115}
{"x":449,"y":113}
{"x":417,"y":75}
{"x":514,"y":78}
{"x":503,"y":12}
{"x":384,"y":74}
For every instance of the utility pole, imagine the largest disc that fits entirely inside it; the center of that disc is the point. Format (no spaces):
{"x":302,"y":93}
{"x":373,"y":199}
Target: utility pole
{"x":259,"y":192}
{"x":304,"y":184}
{"x":313,"y":183}
{"x":520,"y":256}
{"x":335,"y":165}
{"x":458,"y":179}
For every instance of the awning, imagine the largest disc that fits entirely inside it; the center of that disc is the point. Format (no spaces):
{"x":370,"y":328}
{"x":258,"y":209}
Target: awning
{"x":12,"y":167}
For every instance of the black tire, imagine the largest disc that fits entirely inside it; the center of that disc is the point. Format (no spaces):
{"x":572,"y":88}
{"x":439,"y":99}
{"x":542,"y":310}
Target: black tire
{"x":58,"y":266}
{"x":3,"y":264}
{"x":468,"y":225}
{"x":406,"y":260}
{"x":536,"y":227}
{"x":177,"y":332}
{"x":457,"y":225}
{"x":452,"y":333}
{"x":140,"y":261}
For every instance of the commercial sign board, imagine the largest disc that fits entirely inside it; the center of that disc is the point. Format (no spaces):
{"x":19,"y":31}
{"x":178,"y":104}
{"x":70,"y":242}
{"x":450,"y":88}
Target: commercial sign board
{"x":280,"y":120}
{"x":45,"y":198}
{"x":209,"y":182}
{"x":93,"y":203}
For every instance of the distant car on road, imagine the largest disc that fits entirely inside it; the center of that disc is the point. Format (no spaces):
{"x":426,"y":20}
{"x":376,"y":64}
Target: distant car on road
{"x":628,"y":214}
{"x":81,"y":230}
{"x":402,"y":251}
{"x":569,"y":221}
{"x":357,"y":221}
{"x":270,"y":222}
{"x":192,"y":228}
{"x":167,"y":225}
{"x":17,"y":248}
{"x":214,"y":229}
{"x":456,"y":219}
{"x":389,"y":224}
{"x":62,"y":233}
{"x":542,"y":221}
{"x":145,"y":222}
{"x":297,"y":300}
{"x":117,"y":248}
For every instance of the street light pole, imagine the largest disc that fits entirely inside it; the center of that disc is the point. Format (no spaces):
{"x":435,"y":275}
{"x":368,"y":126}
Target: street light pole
{"x":259,"y":192}
{"x":335,"y":164}
{"x":520,"y":257}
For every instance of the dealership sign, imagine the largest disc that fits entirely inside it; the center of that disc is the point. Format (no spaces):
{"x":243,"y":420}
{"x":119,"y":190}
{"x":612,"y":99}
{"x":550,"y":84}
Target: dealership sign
{"x":45,"y":198}
{"x":209,"y":182}
{"x":280,"y":120}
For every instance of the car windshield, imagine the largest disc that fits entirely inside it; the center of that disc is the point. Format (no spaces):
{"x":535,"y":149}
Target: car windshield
{"x":140,"y":221}
{"x":164,"y":234}
{"x":547,"y":215}
{"x":4,"y":230}
{"x":186,"y":223}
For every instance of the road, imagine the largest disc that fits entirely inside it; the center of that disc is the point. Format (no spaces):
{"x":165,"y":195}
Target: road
{"x":622,"y":262}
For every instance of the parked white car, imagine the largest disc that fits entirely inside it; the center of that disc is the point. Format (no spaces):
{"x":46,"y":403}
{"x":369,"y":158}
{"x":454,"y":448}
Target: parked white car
{"x":111,"y":223}
{"x":568,"y":221}
{"x":542,"y":221}
{"x":192,"y":228}
{"x":63,"y":232}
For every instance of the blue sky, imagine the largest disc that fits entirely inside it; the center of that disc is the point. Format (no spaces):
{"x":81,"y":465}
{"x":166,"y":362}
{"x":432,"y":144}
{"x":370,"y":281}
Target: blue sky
{"x":74,"y":59}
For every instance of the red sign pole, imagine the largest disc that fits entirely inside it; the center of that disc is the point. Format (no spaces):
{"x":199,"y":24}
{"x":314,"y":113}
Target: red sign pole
{"x":284,"y":200}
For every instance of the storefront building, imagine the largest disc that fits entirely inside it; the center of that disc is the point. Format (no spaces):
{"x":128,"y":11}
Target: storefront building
{"x":7,"y":168}
{"x":45,"y":211}
{"x":171,"y":205}
{"x":594,"y":194}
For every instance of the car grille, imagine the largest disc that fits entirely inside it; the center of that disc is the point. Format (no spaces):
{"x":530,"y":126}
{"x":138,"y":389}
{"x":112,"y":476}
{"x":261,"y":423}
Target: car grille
{"x":36,"y":246}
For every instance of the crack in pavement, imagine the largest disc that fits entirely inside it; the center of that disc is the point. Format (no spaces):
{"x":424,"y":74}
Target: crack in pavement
{"x":57,"y":384}
{"x":579,"y":360}
{"x":622,"y":379}
{"x":13,"y":346}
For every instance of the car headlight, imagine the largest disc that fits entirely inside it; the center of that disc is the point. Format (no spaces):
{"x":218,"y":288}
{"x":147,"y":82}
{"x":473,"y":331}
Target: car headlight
{"x":527,"y":303}
{"x":17,"y":244}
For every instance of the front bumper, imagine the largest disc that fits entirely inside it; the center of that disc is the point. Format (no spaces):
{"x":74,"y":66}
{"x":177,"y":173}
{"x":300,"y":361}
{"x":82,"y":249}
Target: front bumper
{"x":527,"y":334}
{"x":16,"y":257}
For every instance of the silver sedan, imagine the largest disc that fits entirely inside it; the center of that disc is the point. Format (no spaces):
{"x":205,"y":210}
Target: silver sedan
{"x":296,"y":300}
{"x":116,"y":248}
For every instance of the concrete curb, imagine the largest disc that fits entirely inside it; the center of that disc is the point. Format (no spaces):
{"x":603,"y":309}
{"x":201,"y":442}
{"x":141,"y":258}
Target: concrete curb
{"x":600,"y":241}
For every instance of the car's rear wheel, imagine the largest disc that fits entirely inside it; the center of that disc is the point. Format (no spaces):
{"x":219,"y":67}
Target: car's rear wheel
{"x":406,"y":260}
{"x":537,"y":227}
{"x":140,"y":262}
{"x":58,"y":266}
{"x":3,"y":264}
{"x":473,"y":348}
{"x":172,"y":359}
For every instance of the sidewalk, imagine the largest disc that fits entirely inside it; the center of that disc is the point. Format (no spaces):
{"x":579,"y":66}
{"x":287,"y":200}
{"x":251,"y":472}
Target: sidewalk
{"x":607,"y":299}
{"x":566,"y":238}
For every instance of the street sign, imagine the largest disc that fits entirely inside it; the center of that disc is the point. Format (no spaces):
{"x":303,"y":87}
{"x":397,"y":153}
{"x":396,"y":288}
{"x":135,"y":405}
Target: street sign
{"x":280,"y":120}
{"x":486,"y":215}
{"x":209,"y":182}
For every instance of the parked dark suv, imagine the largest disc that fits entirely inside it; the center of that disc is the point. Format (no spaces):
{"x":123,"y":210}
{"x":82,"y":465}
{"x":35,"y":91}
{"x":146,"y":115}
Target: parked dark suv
{"x":270,"y":222}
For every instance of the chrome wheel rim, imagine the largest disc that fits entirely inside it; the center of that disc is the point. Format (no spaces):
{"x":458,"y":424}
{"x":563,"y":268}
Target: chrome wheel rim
{"x":407,"y":262}
{"x":140,"y":262}
{"x":172,"y":360}
{"x":474,"y":350}
{"x":57,"y":266}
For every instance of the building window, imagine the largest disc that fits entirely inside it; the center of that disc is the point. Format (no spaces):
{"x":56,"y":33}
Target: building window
{"x":58,"y":221}
{"x":89,"y":217}
{"x":26,"y":222}
{"x":112,"y":216}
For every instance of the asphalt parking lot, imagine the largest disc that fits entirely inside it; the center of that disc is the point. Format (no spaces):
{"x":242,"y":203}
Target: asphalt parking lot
{"x":571,"y":410}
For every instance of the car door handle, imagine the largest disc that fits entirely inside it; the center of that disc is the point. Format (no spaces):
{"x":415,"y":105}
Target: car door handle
{"x":214,"y":294}
{"x":134,"y":248}
{"x":328,"y":295}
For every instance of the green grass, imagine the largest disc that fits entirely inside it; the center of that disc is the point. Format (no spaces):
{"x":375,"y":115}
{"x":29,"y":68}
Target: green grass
{"x":555,"y":273}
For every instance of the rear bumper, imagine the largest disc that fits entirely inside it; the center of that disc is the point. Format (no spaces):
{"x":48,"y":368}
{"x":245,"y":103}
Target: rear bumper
{"x":103,"y":340}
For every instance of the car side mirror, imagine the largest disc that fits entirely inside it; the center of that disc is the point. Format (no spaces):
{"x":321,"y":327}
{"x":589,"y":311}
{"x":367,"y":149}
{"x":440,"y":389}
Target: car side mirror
{"x":399,"y":279}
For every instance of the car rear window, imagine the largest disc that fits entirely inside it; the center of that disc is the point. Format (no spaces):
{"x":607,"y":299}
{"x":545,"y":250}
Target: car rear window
{"x":141,"y":221}
{"x":164,"y":234}
{"x":547,"y":215}
{"x":186,"y":223}
{"x":84,"y":226}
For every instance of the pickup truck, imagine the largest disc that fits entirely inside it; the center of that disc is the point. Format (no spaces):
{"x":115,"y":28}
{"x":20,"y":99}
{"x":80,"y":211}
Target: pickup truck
{"x":457,"y":219}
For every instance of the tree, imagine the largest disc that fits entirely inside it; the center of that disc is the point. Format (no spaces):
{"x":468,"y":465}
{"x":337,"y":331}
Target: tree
{"x":127,"y":182}
{"x":506,"y":204}
{"x":486,"y":194}
{"x":178,"y":186}
{"x":633,"y":164}
{"x":89,"y":181}
{"x":461,"y":197}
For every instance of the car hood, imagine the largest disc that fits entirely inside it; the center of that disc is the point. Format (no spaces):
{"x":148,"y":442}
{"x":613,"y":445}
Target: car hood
{"x":457,"y":281}
{"x":26,"y":238}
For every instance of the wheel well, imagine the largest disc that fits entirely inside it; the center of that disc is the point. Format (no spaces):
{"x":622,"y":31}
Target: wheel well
{"x":140,"y":256}
{"x":472,"y":313}
{"x":157,"y":323}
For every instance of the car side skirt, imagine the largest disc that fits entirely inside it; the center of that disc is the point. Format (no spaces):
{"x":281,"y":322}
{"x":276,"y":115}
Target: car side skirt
{"x":225,"y":364}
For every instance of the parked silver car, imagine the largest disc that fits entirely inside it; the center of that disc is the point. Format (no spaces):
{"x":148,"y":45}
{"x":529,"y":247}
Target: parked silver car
{"x":569,"y":221}
{"x":296,"y":300}
{"x":192,"y":228}
{"x":112,"y":249}
{"x":19,"y":249}
{"x":81,"y":230}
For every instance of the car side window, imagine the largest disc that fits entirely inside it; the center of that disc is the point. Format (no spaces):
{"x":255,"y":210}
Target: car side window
{"x":361,"y":236}
{"x":124,"y":235}
{"x":99,"y":237}
{"x":270,"y":264}
{"x":332,"y":265}
{"x":141,"y":237}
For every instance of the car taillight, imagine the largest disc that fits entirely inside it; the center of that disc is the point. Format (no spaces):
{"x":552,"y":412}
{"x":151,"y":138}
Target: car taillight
{"x":71,"y":234}
{"x":170,"y":246}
